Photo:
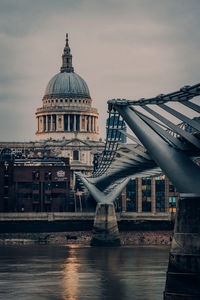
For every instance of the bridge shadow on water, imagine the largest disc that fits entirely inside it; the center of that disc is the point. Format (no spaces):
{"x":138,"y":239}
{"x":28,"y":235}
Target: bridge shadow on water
{"x":115,"y":273}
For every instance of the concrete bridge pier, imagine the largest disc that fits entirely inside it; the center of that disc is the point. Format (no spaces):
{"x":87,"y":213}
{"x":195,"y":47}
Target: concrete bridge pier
{"x":183,"y":275}
{"x":105,"y":230}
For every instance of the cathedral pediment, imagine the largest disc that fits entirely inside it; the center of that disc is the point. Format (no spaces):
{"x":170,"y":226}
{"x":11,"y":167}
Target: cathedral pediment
{"x":76,"y":142}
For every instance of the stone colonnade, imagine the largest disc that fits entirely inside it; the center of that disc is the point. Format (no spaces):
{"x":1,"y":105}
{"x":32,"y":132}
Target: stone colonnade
{"x":67,"y":122}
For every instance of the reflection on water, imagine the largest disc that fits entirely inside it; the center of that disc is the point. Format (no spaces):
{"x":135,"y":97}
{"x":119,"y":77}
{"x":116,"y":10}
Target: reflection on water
{"x":80,"y":273}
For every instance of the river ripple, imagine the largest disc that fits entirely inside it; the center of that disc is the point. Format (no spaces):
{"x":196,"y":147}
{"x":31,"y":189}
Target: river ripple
{"x":41,"y":272}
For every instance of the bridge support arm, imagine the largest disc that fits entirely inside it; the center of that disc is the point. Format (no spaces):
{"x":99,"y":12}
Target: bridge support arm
{"x":179,"y":168}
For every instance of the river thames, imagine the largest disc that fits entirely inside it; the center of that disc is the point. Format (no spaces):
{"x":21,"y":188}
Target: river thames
{"x":77,"y":272}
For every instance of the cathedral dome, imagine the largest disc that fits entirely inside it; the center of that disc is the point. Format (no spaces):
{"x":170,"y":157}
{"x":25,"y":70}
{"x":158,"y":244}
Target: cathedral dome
{"x":67,"y":111}
{"x":67,"y":84}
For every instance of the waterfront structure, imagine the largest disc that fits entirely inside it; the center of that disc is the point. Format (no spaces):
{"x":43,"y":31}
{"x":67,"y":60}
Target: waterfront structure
{"x":35,"y":185}
{"x":169,"y":148}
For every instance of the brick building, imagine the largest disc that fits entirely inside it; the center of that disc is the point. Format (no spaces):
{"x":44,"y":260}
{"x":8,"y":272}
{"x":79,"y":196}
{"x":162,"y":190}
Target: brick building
{"x":28,"y":185}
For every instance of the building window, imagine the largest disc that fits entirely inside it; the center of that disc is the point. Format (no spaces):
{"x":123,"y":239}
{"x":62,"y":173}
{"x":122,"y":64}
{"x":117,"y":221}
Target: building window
{"x":146,"y":195}
{"x":171,"y":188}
{"x":160,"y":195}
{"x":35,"y":198}
{"x":36,"y":187}
{"x":131,"y":196}
{"x":35,"y":175}
{"x":172,"y":204}
{"x":25,"y":185}
{"x":47,"y":186}
{"x":75,"y":155}
{"x":59,"y":185}
{"x":48,"y":175}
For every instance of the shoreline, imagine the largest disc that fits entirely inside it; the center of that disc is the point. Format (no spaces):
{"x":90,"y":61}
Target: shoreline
{"x":160,"y":237}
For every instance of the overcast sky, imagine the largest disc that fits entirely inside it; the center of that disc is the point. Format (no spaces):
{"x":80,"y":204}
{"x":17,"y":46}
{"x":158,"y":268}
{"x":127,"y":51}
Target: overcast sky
{"x":123,"y":49}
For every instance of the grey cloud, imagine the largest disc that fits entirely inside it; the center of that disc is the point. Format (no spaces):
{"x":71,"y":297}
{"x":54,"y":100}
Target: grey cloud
{"x":129,"y":48}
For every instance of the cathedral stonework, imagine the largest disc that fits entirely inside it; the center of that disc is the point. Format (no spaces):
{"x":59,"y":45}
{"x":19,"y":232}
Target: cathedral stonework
{"x":67,"y":111}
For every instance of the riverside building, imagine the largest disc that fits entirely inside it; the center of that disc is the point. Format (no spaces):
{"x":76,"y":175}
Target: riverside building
{"x":67,"y":124}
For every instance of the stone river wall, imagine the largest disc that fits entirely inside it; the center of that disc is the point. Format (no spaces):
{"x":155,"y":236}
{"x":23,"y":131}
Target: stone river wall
{"x":84,"y":237}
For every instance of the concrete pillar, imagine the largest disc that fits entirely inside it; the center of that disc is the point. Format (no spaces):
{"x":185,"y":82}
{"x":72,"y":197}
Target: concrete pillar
{"x":183,"y":275}
{"x":85,"y":123}
{"x":51,"y":128}
{"x":40,"y":123}
{"x":96,"y":124}
{"x":92,"y":124}
{"x":139,"y":194}
{"x":81,"y":123}
{"x":105,"y":230}
{"x":153,"y":195}
{"x":47,"y":129}
{"x":124,"y":200}
{"x":38,"y":126}
{"x":68,"y":125}
{"x":60,"y":123}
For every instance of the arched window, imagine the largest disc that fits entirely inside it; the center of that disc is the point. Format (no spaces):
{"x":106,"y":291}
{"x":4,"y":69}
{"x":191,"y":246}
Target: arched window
{"x":75,"y":155}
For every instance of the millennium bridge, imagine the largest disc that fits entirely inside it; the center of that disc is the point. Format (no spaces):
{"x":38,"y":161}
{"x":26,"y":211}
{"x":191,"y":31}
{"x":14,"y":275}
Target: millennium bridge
{"x":167,"y":147}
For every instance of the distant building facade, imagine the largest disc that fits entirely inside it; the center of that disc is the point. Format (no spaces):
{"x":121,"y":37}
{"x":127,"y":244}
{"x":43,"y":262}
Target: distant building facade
{"x":34,"y":185}
{"x":154,"y":194}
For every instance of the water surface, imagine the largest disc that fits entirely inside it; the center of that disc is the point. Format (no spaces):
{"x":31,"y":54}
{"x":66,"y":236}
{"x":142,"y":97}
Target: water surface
{"x":41,"y":272}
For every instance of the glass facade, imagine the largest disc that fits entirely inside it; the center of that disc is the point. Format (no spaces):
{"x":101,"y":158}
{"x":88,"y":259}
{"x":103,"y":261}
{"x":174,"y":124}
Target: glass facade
{"x":154,"y":194}
{"x":160,"y":195}
{"x":131,"y":196}
{"x":146,"y":195}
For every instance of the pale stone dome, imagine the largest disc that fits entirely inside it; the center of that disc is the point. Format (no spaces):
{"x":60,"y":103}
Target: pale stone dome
{"x":67,"y":84}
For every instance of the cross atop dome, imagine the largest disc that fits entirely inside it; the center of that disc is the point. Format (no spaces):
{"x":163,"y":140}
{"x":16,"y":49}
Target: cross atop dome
{"x":67,"y":58}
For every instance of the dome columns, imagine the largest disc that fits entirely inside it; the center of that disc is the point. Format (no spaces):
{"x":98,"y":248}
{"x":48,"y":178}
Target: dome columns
{"x":69,"y":122}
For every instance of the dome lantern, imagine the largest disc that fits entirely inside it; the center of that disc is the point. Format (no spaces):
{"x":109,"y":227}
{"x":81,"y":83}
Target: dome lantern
{"x":67,"y":58}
